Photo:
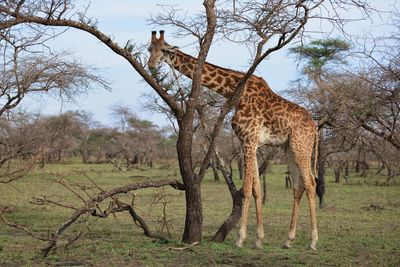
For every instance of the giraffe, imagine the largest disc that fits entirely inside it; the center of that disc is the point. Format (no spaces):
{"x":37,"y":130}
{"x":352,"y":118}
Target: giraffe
{"x":261,"y":118}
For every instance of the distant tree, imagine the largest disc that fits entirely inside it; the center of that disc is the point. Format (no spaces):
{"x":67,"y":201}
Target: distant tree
{"x":21,"y":145}
{"x":61,"y":136}
{"x":320,"y":53}
{"x":86,"y":124}
{"x":127,"y":147}
{"x":147,"y":137}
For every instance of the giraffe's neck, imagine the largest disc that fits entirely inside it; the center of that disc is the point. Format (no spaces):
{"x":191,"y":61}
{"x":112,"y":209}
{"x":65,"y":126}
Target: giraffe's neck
{"x":220,"y":80}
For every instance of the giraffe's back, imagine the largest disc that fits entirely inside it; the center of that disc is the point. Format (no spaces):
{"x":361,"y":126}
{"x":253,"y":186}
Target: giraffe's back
{"x":270,"y":115}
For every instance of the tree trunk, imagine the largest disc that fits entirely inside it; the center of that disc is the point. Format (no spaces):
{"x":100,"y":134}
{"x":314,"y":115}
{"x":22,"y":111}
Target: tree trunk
{"x":214,"y":168}
{"x":288,"y":181}
{"x":365,"y":166}
{"x":346,"y":171}
{"x":262,"y":173}
{"x":236,"y":195}
{"x":264,"y":199}
{"x":194,"y":214}
{"x":233,"y":218}
{"x":85,"y":156}
{"x":240,"y":161}
{"x":357,"y":165}
{"x":337,"y":174}
{"x":381,"y":167}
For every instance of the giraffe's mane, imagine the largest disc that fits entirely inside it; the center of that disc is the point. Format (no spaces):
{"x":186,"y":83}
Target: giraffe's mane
{"x":215,"y":66}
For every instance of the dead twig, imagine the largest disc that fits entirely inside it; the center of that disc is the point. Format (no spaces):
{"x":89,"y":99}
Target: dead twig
{"x":182,"y":248}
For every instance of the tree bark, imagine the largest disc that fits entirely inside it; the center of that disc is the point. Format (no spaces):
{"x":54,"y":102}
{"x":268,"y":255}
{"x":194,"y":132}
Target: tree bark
{"x":357,"y":166}
{"x":214,"y":168}
{"x":240,"y":162}
{"x":337,"y":174}
{"x":194,"y":214}
{"x":264,"y":189}
{"x":233,"y":218}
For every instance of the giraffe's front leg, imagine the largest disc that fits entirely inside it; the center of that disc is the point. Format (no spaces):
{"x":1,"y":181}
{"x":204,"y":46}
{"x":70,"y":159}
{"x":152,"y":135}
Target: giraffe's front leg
{"x":245,"y":213}
{"x":250,"y":161}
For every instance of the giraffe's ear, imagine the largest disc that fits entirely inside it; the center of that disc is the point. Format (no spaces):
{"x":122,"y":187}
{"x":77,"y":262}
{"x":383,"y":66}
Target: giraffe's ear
{"x":161,"y":35}
{"x":153,"y":36}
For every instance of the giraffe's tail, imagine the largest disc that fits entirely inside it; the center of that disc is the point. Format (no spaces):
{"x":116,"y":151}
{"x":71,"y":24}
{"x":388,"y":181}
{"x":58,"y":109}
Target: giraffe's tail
{"x":320,"y":184}
{"x":316,"y":153}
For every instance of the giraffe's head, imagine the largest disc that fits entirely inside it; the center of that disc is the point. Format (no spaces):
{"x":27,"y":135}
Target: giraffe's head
{"x":158,"y":50}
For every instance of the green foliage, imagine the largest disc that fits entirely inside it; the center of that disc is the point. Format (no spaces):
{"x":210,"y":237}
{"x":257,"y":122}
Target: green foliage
{"x":319,"y":52}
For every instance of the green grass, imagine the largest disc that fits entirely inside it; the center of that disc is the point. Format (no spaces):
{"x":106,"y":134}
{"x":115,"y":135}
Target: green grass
{"x":350,"y":233}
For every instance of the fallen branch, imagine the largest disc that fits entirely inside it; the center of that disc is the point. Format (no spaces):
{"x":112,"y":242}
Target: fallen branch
{"x":92,"y":204}
{"x":136,"y":218}
{"x":20,"y":227}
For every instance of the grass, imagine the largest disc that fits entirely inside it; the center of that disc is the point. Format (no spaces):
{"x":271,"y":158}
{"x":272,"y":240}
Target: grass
{"x":352,"y":232}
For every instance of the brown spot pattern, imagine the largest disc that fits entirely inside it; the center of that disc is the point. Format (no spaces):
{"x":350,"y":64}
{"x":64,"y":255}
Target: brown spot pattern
{"x":261,"y":111}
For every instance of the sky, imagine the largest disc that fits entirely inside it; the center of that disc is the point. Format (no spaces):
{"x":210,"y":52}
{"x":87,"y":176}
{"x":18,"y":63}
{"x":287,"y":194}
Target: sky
{"x":124,"y":20}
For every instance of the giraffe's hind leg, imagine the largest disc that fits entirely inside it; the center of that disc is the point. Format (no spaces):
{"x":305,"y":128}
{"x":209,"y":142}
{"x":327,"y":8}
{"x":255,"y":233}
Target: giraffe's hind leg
{"x":302,"y":152}
{"x":250,"y":174}
{"x":298,"y":189}
{"x":257,"y":199}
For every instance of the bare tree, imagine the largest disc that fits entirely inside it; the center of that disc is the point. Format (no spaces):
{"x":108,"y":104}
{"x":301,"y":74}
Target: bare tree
{"x":28,"y":66}
{"x":25,"y":69}
{"x":20,"y":145}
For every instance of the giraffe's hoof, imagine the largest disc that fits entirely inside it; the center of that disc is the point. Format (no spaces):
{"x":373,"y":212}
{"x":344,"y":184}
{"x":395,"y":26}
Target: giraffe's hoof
{"x":313,"y":247}
{"x":287,"y":245}
{"x":239,"y":243}
{"x":258,"y":244}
